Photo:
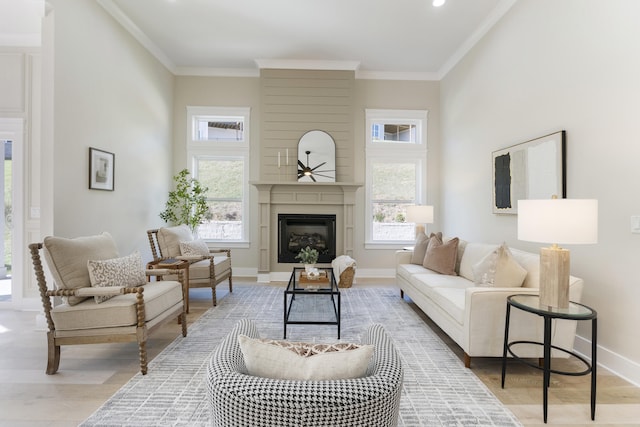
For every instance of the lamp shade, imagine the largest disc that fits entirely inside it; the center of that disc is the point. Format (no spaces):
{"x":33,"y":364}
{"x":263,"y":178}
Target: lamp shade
{"x":559,"y":221}
{"x":420,"y":214}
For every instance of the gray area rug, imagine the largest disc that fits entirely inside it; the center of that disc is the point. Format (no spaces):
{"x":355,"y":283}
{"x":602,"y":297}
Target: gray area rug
{"x":437,"y":391}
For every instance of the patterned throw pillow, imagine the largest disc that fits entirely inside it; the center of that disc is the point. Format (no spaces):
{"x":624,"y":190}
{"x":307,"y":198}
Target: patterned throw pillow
{"x":194,"y":247}
{"x":126,"y":271}
{"x":304,"y":361}
{"x":499,"y":269}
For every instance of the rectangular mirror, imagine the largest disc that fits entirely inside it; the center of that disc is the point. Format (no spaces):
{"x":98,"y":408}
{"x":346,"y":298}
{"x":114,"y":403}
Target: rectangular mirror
{"x":534,"y":169}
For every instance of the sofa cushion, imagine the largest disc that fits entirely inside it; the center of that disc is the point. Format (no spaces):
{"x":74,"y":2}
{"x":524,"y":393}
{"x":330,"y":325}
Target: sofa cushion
{"x":194,"y":247}
{"x":169,"y":239}
{"x":451,"y":300}
{"x":441,"y":257}
{"x":304,"y":361}
{"x":67,"y":259}
{"x":473,"y":254}
{"x":126,"y":271}
{"x":119,"y":311}
{"x":420,"y":247}
{"x":499,"y":269}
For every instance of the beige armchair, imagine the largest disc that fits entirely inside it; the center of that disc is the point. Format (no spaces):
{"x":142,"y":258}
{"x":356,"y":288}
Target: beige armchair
{"x":105,"y":298}
{"x":208,"y":268}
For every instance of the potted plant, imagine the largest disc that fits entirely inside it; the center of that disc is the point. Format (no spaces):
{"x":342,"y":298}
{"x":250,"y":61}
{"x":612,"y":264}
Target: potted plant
{"x":308,"y":257}
{"x":187,"y":204}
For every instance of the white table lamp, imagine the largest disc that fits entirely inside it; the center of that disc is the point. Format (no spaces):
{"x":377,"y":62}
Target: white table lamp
{"x":420,"y":215}
{"x":557,"y":221}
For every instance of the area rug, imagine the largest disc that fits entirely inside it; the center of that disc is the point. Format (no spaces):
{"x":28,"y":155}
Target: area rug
{"x":437,"y":389}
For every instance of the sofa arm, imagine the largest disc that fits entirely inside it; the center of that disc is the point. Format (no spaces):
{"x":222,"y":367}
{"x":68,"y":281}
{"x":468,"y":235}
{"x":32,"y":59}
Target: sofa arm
{"x":403,"y":257}
{"x":485,"y":310}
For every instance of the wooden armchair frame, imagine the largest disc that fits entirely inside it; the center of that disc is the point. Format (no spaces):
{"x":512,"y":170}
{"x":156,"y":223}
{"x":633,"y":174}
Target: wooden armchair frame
{"x":213,"y":281}
{"x":142,"y":330}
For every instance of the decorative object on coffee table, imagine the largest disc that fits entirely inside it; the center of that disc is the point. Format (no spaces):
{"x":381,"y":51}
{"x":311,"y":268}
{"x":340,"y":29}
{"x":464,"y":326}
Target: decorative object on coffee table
{"x":308,"y":257}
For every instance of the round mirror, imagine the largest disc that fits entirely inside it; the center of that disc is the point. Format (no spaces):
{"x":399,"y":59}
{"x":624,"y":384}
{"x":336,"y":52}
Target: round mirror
{"x":316,"y":157}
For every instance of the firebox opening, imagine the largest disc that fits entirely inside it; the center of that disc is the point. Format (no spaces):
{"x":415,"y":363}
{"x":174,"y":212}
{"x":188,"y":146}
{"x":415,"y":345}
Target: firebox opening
{"x":297,"y":231}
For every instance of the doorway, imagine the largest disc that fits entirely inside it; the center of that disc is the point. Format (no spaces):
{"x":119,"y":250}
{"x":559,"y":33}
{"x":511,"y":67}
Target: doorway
{"x":6,"y":185}
{"x":11,"y":199}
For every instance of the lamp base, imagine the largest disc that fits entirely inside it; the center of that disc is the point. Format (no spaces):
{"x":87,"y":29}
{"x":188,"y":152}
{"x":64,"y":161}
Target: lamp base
{"x":420,"y":229}
{"x":554,"y":277}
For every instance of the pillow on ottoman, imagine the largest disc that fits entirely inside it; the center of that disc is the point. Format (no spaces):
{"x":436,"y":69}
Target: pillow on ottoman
{"x":304,"y":361}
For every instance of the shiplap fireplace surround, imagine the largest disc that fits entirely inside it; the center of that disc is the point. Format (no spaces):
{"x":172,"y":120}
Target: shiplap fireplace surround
{"x":301,"y":198}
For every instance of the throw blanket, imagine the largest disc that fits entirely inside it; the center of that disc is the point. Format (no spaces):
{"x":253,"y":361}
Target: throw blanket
{"x":340,"y":264}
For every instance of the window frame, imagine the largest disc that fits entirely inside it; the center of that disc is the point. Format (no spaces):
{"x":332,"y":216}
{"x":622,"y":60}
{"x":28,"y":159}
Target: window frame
{"x":394,"y":152}
{"x":223,"y":150}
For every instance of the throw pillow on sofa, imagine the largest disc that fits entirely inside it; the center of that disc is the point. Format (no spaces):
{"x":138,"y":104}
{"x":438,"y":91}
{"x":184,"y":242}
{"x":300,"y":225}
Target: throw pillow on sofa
{"x":499,"y":269}
{"x":420,"y":247}
{"x":441,"y":257}
{"x":287,"y":360}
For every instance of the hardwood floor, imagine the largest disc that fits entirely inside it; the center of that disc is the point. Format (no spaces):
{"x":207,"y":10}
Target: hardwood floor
{"x":90,"y":374}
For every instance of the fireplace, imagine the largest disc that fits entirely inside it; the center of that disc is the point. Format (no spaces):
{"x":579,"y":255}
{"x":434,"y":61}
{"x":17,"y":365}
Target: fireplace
{"x":297,"y":231}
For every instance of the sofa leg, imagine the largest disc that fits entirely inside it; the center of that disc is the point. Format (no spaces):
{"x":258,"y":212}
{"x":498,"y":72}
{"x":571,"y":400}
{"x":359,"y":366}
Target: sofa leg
{"x":467,"y":361}
{"x":401,"y":294}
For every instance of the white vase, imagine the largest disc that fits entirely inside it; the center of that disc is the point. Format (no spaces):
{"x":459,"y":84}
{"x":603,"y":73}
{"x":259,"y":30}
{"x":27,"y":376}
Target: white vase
{"x":309,"y":267}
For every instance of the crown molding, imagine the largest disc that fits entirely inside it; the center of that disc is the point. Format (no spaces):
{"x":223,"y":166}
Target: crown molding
{"x":307,"y":64}
{"x":497,"y":13}
{"x":137,"y":33}
{"x":217,"y":72}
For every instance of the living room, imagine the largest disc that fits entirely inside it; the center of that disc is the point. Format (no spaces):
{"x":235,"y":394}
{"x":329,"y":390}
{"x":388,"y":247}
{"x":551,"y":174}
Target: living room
{"x":545,"y":65}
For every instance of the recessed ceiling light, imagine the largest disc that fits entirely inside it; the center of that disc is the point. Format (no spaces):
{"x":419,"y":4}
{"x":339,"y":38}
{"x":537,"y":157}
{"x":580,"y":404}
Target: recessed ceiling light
{"x":438,"y":3}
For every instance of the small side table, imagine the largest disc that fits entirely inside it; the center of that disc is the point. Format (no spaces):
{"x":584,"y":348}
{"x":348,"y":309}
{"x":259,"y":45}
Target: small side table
{"x":175,"y":264}
{"x":575,"y":311}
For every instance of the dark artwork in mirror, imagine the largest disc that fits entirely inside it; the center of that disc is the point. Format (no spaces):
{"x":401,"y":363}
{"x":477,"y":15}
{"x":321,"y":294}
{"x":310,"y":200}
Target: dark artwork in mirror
{"x":316,"y":157}
{"x":534,"y":169}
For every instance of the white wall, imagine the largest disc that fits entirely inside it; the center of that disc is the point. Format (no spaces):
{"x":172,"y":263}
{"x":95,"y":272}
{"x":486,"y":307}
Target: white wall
{"x":550,"y":65}
{"x":111,"y":94}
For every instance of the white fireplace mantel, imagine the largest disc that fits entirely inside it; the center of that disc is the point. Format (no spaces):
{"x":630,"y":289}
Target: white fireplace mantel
{"x":302,"y":195}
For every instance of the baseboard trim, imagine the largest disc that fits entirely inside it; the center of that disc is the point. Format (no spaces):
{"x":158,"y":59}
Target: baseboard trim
{"x":615,"y":363}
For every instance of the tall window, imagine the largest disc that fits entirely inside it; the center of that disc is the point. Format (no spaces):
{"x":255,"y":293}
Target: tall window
{"x":218,"y":151}
{"x":396,"y":153}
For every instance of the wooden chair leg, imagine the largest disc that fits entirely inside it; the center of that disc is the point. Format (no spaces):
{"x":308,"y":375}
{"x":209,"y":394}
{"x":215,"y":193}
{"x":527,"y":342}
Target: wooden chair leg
{"x":213,"y":295}
{"x":183,"y":318}
{"x":230,"y":283}
{"x":53,"y":361}
{"x":143,"y":353}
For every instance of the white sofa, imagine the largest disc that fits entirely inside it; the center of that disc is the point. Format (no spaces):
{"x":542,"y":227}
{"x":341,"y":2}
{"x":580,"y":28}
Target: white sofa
{"x":474,"y":316}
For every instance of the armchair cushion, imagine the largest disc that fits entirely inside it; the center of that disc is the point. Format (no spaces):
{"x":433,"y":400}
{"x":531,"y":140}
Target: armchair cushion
{"x":119,"y":311}
{"x":201,"y":269}
{"x":67,"y":259}
{"x":169,"y":239}
{"x":126,"y":271}
{"x":194,"y":247}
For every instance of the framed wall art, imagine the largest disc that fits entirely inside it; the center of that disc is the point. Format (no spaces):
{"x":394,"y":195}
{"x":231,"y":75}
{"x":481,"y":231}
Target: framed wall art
{"x":101,"y":169}
{"x":534,"y":169}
